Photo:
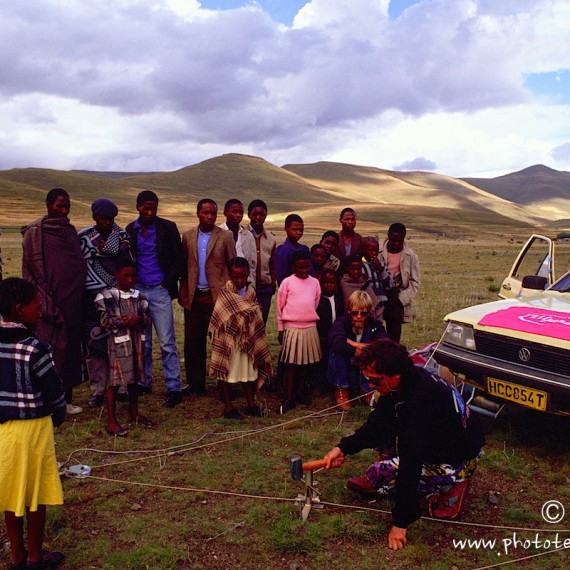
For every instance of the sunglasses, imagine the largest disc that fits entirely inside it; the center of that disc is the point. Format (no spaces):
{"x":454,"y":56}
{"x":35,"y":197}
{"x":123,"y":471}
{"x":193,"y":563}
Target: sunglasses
{"x":362,"y":313}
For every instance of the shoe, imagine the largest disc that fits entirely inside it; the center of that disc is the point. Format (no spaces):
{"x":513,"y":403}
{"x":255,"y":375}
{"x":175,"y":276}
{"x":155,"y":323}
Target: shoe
{"x":122,"y":397}
{"x":50,"y":560}
{"x":73,"y":410}
{"x":448,"y":504}
{"x":362,"y":485}
{"x":254,"y":411}
{"x":144,"y":390}
{"x":173,"y":399}
{"x":287,"y":405}
{"x":188,"y":390}
{"x":121,"y":432}
{"x":342,"y":399}
{"x":96,"y":401}
{"x":233,"y":415}
{"x":19,"y":566}
{"x":303,"y":399}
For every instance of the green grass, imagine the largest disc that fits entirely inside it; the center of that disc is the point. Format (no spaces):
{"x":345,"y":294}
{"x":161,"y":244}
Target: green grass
{"x":111,"y":522}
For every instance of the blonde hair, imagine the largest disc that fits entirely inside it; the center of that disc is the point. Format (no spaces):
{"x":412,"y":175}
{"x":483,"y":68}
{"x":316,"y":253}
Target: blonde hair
{"x":359,"y":300}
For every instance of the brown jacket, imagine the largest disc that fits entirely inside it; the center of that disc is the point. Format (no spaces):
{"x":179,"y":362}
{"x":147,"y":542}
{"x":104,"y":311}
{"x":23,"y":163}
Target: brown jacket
{"x":221,"y":248}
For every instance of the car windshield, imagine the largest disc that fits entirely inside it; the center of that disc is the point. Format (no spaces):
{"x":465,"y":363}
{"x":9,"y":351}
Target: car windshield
{"x":562,"y":285}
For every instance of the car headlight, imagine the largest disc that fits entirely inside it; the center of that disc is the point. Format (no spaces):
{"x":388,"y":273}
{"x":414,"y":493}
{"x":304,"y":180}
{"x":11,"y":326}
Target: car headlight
{"x":459,"y":335}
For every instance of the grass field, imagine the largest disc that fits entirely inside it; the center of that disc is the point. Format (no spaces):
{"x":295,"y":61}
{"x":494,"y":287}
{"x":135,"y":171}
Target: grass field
{"x":199,"y":491}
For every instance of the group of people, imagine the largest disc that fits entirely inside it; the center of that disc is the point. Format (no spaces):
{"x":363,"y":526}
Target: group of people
{"x":99,"y":294}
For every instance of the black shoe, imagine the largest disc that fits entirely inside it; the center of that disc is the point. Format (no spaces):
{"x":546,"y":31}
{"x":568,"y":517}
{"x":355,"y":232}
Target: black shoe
{"x":50,"y":560}
{"x":96,"y":401}
{"x":287,"y":405}
{"x":254,"y":411}
{"x":233,"y":415}
{"x":144,"y":390}
{"x":173,"y":399}
{"x":122,"y":397}
{"x":188,"y":390}
{"x":303,"y":399}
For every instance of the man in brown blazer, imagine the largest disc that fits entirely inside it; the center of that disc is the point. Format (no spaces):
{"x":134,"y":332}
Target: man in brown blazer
{"x":208,"y":250}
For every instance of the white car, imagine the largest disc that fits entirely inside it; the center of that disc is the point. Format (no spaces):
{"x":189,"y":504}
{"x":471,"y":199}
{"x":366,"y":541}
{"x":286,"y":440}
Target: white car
{"x":517,"y":349}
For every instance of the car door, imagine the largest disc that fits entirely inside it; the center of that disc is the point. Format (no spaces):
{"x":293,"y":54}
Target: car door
{"x":535,"y":258}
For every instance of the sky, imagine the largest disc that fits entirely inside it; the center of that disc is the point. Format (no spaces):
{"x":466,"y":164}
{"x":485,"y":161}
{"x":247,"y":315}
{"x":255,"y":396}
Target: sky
{"x":458,"y":87}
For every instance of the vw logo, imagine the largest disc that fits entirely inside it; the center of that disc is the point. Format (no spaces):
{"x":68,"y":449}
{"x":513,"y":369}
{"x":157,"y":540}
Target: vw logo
{"x":524,"y":354}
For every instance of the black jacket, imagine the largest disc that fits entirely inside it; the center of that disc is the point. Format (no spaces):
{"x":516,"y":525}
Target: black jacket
{"x":423,"y":421}
{"x":170,"y":253}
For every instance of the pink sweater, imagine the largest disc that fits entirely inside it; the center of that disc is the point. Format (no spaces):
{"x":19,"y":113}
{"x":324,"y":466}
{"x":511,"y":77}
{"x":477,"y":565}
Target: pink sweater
{"x":297,"y":301}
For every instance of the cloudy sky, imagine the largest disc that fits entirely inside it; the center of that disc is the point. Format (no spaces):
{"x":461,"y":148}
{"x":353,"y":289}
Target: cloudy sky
{"x":459,"y":87}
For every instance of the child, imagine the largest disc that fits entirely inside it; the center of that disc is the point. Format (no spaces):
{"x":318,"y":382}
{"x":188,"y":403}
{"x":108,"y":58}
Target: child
{"x":244,"y":240}
{"x":30,"y":392}
{"x":297,"y":301}
{"x":265,"y":279}
{"x":350,"y":242}
{"x":240,"y":353}
{"x":355,"y":280}
{"x":376,"y":273}
{"x":294,"y":228}
{"x":124,"y":312}
{"x":330,"y":241}
{"x":330,"y":307}
{"x":319,"y":256}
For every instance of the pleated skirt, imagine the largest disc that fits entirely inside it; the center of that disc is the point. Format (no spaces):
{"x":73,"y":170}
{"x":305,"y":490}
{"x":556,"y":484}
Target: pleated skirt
{"x":28,"y":468}
{"x":301,"y":346}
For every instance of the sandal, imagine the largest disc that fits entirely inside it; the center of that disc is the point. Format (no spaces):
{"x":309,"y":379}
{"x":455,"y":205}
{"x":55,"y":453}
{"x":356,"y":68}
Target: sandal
{"x":121,"y":432}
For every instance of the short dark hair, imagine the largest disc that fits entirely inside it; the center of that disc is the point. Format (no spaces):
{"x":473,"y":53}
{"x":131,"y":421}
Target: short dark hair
{"x":346,"y":211}
{"x":146,"y":196}
{"x":124,"y":261}
{"x":54,"y":194}
{"x":302,"y":255}
{"x":331,"y":233}
{"x":15,"y":291}
{"x":370,"y":239}
{"x":397,"y":228}
{"x":317,"y":246}
{"x":329,"y":273}
{"x":204,"y":201}
{"x":231,"y":202}
{"x":293,"y":218}
{"x":386,"y":357}
{"x":257,"y":204}
{"x":353,"y":258}
{"x":238,"y":262}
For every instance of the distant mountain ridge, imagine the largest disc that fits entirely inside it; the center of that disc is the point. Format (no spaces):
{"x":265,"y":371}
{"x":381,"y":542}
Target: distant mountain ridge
{"x":429,"y":202}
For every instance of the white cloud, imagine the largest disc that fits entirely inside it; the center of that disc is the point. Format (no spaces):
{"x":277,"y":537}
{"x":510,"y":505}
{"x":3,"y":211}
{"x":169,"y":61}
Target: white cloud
{"x":166,"y":82}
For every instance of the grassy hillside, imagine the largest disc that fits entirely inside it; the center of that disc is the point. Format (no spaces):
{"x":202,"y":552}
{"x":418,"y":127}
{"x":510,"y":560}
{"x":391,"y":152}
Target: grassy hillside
{"x":427,"y":203}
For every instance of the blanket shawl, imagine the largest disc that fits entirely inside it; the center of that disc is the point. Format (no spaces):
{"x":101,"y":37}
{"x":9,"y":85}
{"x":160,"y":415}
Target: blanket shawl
{"x":237,"y":318}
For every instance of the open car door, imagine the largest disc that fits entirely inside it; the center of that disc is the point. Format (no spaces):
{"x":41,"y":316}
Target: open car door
{"x":535,"y":260}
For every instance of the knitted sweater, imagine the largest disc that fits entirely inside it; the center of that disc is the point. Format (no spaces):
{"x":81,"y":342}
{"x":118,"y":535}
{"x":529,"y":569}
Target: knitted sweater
{"x":297,"y":302}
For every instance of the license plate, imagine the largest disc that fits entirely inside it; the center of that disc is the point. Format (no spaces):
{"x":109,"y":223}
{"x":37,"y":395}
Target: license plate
{"x":535,"y":399}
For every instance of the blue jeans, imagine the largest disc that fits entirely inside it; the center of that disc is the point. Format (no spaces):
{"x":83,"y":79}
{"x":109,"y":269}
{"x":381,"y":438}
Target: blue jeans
{"x":341,"y":373}
{"x":162,"y":317}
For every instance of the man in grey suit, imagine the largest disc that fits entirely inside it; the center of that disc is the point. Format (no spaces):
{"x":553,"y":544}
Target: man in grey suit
{"x":207,"y":250}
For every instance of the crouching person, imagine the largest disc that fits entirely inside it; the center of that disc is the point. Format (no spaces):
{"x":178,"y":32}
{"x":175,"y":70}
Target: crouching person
{"x":439,"y":442}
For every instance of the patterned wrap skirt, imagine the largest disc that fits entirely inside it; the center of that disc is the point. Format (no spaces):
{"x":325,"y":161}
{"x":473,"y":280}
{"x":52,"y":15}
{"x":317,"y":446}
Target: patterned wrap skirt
{"x":28,"y":468}
{"x":301,"y":346}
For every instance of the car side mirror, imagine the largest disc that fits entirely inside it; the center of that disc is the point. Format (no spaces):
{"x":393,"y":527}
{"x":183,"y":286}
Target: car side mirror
{"x":534,"y":282}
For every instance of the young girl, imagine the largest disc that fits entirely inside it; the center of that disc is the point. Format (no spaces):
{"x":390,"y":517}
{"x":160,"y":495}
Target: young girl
{"x":319,"y":257}
{"x":240,"y":353}
{"x":297,"y":301}
{"x":124,"y":311}
{"x":30,"y":392}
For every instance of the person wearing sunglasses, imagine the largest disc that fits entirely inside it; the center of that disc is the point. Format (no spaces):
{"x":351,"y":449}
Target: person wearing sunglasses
{"x":437,"y":441}
{"x":347,"y":337}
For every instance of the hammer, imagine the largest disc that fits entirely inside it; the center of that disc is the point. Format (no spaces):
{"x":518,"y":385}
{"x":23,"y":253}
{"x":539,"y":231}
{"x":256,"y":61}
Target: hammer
{"x":297,"y":466}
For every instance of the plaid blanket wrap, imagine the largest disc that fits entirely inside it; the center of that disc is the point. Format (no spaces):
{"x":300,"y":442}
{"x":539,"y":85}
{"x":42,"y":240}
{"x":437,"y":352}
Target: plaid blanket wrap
{"x":238,"y":318}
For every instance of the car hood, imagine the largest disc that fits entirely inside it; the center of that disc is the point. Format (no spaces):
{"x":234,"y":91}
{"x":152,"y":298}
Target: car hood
{"x":552,"y":301}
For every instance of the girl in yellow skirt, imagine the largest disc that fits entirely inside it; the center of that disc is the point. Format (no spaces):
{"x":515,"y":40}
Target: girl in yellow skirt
{"x":30,"y":392}
{"x":297,"y":301}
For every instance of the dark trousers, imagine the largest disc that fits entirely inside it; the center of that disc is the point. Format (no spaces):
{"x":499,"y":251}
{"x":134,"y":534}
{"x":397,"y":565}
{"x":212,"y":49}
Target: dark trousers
{"x":264,"y":293}
{"x":394,"y":317}
{"x":196,"y":321}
